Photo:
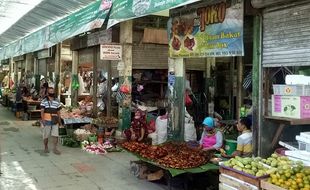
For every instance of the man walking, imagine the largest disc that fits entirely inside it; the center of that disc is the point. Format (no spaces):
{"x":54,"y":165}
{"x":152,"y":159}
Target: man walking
{"x":50,"y":116}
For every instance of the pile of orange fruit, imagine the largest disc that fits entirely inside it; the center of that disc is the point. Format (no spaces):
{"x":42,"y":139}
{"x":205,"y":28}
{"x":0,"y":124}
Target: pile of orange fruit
{"x":295,"y":178}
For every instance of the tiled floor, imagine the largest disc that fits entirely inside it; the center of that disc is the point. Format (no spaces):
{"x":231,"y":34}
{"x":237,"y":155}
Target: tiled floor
{"x":25,"y":167}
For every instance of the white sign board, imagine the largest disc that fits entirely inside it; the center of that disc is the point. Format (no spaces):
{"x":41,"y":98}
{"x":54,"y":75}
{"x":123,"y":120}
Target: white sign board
{"x":111,"y":52}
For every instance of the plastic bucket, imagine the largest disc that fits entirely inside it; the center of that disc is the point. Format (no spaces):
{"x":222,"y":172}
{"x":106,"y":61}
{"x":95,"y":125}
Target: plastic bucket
{"x":230,"y":146}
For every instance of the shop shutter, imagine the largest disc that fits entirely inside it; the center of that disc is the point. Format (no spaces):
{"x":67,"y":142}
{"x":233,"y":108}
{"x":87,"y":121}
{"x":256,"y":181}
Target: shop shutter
{"x":150,"y":56}
{"x":286,"y":35}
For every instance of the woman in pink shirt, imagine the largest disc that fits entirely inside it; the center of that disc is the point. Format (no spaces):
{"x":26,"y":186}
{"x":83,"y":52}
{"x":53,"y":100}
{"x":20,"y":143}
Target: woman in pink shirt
{"x":210,"y":138}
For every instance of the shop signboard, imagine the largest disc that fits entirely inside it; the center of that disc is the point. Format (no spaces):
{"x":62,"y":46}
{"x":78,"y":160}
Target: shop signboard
{"x":123,"y":10}
{"x":111,"y":52}
{"x":44,"y":53}
{"x":100,"y":37}
{"x":214,"y":30}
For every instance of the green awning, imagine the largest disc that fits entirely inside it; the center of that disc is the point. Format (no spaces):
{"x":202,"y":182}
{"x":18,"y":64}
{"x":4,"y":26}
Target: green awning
{"x":123,"y":10}
{"x":86,"y":19}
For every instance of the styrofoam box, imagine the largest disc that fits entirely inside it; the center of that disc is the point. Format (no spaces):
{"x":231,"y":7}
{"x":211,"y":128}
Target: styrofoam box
{"x":303,"y":142}
{"x":305,"y":134}
{"x":291,"y":90}
{"x":297,"y":107}
{"x":297,"y":79}
{"x":299,"y":154}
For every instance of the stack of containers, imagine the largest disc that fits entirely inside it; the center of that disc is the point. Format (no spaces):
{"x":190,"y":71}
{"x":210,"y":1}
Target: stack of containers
{"x":292,"y":100}
{"x":303,"y":154}
{"x":304,"y":141}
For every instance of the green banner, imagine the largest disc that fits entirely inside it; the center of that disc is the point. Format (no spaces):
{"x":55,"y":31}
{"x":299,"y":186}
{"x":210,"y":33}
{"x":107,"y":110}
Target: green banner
{"x":123,"y":10}
{"x":86,"y":19}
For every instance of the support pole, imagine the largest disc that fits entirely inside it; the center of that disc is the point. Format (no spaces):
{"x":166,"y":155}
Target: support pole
{"x":126,"y":39}
{"x":57,"y":69}
{"x":239,"y":98}
{"x":95,"y":81}
{"x":257,"y":86}
{"x":176,"y":99}
{"x":109,"y":80}
{"x":75,"y":64}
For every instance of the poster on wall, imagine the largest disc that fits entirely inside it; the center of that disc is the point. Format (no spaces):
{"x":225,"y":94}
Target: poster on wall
{"x":208,"y":31}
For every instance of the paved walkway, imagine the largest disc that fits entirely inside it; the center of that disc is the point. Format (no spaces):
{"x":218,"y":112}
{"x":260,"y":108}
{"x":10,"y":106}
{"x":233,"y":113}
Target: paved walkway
{"x":24,"y":166}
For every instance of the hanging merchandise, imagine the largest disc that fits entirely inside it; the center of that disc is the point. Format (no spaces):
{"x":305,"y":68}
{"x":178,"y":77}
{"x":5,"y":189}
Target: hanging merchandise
{"x":75,"y":82}
{"x":125,"y":87}
{"x":188,"y":100}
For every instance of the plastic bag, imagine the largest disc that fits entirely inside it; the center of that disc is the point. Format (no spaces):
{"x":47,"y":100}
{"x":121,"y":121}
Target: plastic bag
{"x":154,"y":137}
{"x":125,"y":87}
{"x":161,"y":130}
{"x":189,"y":128}
{"x":188,"y":100}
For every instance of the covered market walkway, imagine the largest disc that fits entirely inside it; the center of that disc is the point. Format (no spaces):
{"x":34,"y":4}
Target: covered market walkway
{"x":24,"y":166}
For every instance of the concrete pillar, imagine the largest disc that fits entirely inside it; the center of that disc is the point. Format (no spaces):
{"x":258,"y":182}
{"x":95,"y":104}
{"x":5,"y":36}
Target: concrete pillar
{"x":210,"y":88}
{"x":126,"y":37}
{"x":176,"y":108}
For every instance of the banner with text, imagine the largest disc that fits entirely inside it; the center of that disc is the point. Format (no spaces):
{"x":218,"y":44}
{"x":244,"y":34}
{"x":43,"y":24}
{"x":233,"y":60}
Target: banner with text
{"x":86,"y":19}
{"x":210,"y":31}
{"x":123,"y":10}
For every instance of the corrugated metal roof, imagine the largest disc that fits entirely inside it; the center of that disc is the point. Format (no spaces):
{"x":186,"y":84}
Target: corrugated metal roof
{"x":47,"y":12}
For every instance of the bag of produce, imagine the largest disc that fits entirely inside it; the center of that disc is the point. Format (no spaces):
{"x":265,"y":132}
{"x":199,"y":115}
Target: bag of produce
{"x":189,"y":128}
{"x":161,"y":129}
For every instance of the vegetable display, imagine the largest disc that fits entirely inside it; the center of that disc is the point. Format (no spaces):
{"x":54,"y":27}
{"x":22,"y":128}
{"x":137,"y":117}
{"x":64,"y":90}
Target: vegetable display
{"x":105,"y":121}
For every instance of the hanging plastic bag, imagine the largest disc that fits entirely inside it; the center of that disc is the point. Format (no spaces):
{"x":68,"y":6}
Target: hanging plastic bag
{"x":189,"y":128}
{"x":125,"y":87}
{"x":161,"y":129}
{"x":188,"y":100}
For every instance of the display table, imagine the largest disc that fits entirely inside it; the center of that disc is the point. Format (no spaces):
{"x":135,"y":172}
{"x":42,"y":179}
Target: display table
{"x":282,"y":122}
{"x":171,"y":173}
{"x":83,"y":120}
{"x":32,"y":107}
{"x":175,"y":172}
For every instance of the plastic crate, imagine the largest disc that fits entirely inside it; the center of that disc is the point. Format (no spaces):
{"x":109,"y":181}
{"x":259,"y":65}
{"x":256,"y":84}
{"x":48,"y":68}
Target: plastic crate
{"x":291,"y":90}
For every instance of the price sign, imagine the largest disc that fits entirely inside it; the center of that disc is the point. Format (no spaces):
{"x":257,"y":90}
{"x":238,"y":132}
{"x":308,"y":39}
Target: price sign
{"x":111,"y":52}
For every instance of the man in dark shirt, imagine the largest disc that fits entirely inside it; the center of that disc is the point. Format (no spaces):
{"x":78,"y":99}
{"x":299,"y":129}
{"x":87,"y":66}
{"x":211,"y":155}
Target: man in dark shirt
{"x":50,"y":115}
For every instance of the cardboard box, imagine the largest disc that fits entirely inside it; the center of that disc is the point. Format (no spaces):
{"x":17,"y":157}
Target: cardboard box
{"x":297,"y":107}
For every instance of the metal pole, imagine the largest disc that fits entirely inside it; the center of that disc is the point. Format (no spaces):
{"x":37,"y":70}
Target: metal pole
{"x":108,"y":106}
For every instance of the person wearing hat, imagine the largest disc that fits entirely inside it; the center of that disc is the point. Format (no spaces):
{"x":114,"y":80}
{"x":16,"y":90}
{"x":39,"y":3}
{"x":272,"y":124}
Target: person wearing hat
{"x":210,"y":138}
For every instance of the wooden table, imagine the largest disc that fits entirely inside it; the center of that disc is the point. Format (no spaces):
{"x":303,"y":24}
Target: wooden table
{"x":282,"y":121}
{"x":32,"y":113}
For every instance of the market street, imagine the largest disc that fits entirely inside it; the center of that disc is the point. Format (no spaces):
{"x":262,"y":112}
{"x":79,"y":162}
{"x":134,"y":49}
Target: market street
{"x":24,"y":166}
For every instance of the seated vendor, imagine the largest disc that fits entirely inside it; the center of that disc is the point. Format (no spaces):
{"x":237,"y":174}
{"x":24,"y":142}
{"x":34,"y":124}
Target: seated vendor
{"x":211,"y":138}
{"x":244,"y":141}
{"x":138,"y":129}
